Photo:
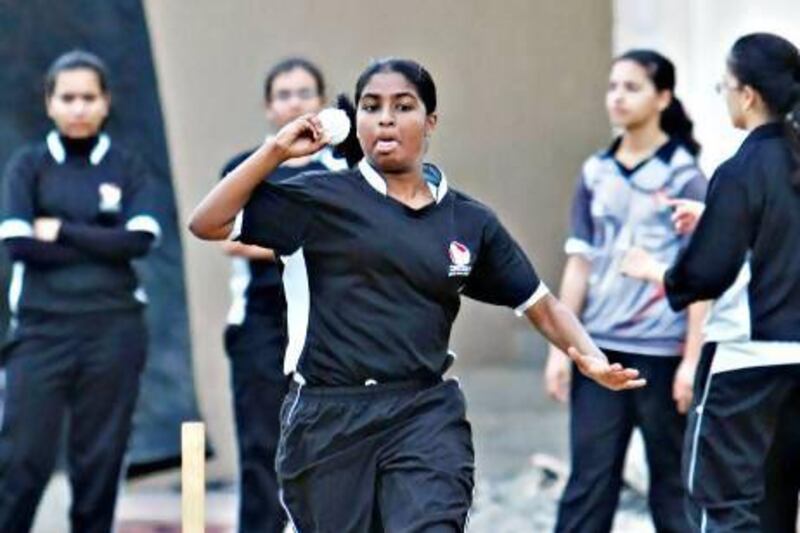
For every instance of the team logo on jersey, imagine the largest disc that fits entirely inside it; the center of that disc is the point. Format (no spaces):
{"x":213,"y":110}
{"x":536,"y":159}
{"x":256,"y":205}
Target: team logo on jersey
{"x":459,"y":259}
{"x":110,"y":197}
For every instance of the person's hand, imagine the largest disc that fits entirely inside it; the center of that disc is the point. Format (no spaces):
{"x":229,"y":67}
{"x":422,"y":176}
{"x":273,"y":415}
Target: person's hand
{"x":685,"y":214}
{"x":300,"y":137}
{"x":682,"y":385}
{"x":557,"y":375}
{"x":46,"y":229}
{"x":639,"y":264}
{"x":610,"y":375}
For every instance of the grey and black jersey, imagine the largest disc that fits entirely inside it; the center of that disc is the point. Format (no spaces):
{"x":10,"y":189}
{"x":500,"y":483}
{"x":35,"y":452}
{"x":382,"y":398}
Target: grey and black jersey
{"x":373,"y":286}
{"x":613,"y":209}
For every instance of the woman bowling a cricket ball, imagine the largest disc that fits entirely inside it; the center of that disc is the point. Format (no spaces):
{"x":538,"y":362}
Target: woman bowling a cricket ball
{"x":376,"y":261}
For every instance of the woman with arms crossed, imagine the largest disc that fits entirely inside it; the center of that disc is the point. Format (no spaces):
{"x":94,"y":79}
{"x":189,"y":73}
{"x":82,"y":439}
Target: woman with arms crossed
{"x":76,"y":211}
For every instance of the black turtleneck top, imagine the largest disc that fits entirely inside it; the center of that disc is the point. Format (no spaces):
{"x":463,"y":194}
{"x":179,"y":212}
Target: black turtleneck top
{"x":99,"y":194}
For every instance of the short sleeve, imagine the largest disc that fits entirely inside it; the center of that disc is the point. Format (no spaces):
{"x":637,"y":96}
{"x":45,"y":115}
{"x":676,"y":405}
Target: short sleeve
{"x":502,"y":274}
{"x":581,"y":224}
{"x":19,"y":192}
{"x":279,"y":215}
{"x":695,"y":188}
{"x":234,"y":162}
{"x":139,"y":199}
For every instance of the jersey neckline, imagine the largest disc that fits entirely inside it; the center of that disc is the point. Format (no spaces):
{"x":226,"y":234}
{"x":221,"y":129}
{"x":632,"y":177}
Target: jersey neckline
{"x":435,"y":178}
{"x":59,"y":152}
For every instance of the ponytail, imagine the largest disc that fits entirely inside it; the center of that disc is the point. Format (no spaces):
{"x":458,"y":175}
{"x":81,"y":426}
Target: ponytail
{"x":677,"y":124}
{"x":771,"y":66}
{"x":350,"y":148}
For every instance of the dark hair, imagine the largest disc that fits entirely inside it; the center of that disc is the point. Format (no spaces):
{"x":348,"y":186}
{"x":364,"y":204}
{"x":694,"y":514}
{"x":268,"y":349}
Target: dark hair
{"x":674,"y":120}
{"x":74,"y":60}
{"x":771,"y":66}
{"x":412,"y":71}
{"x":350,"y":148}
{"x":289,"y":64}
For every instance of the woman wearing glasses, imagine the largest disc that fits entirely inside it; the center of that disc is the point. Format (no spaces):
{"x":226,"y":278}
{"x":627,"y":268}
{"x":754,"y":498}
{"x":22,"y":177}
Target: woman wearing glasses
{"x":255,"y":338}
{"x":745,"y":255}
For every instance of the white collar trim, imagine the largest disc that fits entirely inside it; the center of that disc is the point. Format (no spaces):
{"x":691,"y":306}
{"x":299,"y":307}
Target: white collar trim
{"x":59,"y":154}
{"x":431,"y":172}
{"x":56,"y":148}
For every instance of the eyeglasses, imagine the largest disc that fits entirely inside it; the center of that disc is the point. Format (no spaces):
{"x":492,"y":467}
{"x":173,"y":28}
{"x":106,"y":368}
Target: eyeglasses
{"x":284,"y":95}
{"x":723,"y":86}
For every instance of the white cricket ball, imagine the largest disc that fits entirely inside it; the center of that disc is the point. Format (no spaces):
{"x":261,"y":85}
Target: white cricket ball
{"x":336,"y":124}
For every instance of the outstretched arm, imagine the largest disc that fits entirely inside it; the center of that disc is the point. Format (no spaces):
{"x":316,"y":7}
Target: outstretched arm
{"x":560,"y":326}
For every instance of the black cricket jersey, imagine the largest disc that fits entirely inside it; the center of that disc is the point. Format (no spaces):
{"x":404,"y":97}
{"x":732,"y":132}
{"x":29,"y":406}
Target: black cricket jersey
{"x":256,"y":287}
{"x":745,"y":253}
{"x":373,"y":286}
{"x":100,"y":192}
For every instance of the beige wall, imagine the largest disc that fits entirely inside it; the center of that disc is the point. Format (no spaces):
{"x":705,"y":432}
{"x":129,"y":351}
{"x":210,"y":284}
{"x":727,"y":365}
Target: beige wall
{"x":521,"y":85}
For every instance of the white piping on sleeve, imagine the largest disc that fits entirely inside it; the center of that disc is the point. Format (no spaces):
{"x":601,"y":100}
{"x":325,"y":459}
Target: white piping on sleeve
{"x":540,"y":292}
{"x":576,"y":246}
{"x":15,"y":227}
{"x":147,"y":224}
{"x":237,"y":226}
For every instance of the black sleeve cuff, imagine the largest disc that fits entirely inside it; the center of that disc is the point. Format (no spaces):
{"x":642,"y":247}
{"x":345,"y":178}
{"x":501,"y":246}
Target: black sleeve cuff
{"x":678,"y":299}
